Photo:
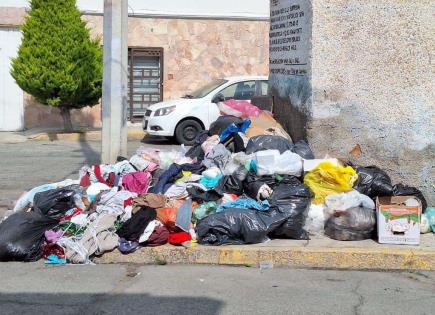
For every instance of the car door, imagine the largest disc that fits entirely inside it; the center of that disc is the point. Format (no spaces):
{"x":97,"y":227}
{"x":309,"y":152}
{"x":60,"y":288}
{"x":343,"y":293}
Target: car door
{"x":244,"y":90}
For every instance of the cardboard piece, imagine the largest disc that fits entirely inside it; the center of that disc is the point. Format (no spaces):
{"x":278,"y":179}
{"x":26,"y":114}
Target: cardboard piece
{"x":398,"y":223}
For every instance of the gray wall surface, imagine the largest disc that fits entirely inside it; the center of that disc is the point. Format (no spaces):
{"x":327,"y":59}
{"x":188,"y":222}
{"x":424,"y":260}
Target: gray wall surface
{"x":370,"y":82}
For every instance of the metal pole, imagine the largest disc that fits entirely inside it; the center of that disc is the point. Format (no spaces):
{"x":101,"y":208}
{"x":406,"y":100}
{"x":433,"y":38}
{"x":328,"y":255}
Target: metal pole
{"x":114,"y":100}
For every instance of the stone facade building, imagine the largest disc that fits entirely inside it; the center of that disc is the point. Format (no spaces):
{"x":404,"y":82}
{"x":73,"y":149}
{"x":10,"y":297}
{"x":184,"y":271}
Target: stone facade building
{"x":174,"y":46}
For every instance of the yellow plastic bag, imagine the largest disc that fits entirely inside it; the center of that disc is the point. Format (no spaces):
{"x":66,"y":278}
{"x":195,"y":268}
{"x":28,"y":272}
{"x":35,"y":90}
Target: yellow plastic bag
{"x":328,"y":178}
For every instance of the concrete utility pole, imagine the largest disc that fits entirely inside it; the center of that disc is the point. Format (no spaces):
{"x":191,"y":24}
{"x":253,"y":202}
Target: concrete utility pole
{"x":115,"y":76}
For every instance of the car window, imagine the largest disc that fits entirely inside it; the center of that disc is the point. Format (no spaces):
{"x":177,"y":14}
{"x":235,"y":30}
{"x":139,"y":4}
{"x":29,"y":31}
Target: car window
{"x":239,"y":91}
{"x":264,"y":87}
{"x":203,"y":91}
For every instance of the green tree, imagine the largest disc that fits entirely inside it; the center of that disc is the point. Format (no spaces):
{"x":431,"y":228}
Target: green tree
{"x":57,"y":62}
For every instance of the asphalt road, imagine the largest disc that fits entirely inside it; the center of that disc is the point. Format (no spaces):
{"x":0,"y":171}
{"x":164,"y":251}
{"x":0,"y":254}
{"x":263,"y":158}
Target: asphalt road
{"x":33,"y":163}
{"x":32,"y":288}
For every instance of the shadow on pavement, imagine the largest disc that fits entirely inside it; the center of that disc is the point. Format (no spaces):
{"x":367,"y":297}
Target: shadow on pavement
{"x":91,"y":156}
{"x":113,"y":303}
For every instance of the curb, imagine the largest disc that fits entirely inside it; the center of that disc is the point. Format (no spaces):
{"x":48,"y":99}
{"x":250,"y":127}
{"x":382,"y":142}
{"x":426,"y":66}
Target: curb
{"x":81,"y":136}
{"x":298,"y":257}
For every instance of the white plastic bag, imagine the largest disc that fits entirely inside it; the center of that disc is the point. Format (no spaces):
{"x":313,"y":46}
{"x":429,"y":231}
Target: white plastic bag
{"x":347,"y":200}
{"x":270,"y":162}
{"x":315,"y":222}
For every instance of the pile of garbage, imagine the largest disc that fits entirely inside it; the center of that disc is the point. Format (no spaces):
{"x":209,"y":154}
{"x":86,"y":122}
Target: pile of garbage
{"x":242,"y":182}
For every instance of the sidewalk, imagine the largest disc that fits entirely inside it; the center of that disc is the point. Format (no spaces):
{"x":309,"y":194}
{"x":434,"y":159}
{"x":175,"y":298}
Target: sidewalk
{"x":134,"y":132}
{"x":320,"y":252}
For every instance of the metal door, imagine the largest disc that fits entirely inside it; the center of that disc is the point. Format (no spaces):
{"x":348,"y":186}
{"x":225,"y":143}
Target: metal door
{"x":11,"y":96}
{"x":145,"y":79}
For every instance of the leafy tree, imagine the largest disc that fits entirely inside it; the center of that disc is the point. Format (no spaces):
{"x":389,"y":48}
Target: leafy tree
{"x":57,"y":62}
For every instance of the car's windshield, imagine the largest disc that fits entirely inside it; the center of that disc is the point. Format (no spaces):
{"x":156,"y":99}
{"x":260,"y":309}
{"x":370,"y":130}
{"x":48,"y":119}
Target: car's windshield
{"x":206,"y":89}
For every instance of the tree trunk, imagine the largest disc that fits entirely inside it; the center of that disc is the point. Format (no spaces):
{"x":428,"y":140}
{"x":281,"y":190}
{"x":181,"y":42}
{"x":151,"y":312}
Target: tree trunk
{"x":66,"y":116}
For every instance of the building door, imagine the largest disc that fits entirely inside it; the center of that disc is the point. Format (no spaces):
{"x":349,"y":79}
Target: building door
{"x":11,"y":96}
{"x":145,"y":80}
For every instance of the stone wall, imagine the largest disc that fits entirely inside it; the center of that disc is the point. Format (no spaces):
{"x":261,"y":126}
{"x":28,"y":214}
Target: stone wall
{"x":372,"y":84}
{"x":197,"y":51}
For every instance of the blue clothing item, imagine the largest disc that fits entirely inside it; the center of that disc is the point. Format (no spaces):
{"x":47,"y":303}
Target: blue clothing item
{"x":210,"y":183}
{"x":52,"y":259}
{"x":184,"y":215}
{"x":166,"y":179}
{"x":234,"y":128}
{"x":127,"y":247}
{"x":245,"y":203}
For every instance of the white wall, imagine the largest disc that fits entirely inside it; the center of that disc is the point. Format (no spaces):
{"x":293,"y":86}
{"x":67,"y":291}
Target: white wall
{"x":256,"y":9}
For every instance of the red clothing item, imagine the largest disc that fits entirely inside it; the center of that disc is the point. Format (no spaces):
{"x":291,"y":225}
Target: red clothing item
{"x":179,"y":238}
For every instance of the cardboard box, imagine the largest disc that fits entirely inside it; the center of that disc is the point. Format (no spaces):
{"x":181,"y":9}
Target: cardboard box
{"x":398,"y":223}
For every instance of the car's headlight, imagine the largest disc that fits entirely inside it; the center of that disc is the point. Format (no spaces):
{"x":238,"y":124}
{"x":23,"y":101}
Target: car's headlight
{"x":164,"y":111}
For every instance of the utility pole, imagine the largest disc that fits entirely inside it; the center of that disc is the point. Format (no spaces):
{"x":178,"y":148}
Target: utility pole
{"x":115,"y":76}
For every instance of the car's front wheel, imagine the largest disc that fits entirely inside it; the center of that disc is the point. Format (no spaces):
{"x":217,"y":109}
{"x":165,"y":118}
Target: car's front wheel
{"x":187,"y":131}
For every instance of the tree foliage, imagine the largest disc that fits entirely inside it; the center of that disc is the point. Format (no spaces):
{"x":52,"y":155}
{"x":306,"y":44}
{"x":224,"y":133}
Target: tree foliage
{"x":57,"y":62}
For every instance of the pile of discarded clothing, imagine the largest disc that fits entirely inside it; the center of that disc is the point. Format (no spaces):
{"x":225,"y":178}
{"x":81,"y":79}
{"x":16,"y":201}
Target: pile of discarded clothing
{"x":242,"y":182}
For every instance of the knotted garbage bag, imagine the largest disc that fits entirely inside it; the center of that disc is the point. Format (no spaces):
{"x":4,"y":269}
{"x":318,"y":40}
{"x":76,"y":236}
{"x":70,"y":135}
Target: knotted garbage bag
{"x":55,"y":202}
{"x":353,"y":224}
{"x":328,"y":178}
{"x":373,"y":182}
{"x":238,"y":226}
{"x":22,"y":236}
{"x":293,"y":201}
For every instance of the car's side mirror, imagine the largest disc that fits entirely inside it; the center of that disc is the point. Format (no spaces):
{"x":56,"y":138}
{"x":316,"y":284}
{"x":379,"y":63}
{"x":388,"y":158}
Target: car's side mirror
{"x":218,"y":98}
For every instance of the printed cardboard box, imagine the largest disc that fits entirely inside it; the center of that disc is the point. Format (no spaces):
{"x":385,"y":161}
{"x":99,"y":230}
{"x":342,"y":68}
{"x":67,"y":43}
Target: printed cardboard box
{"x":398,"y":223}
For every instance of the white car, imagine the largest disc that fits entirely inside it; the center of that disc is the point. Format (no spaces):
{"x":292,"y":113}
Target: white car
{"x":184,"y":118}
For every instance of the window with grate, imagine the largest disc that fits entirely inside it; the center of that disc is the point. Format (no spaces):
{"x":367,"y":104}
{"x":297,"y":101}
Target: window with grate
{"x":145,"y":79}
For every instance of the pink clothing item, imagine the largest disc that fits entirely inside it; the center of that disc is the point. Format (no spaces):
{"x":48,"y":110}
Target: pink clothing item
{"x":239,"y":108}
{"x":139,"y":182}
{"x":53,"y":236}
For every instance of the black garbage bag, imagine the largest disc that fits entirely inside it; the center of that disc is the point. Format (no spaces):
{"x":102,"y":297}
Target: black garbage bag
{"x":260,"y":143}
{"x":373,"y":182}
{"x":253,"y":182}
{"x":403,"y":190}
{"x":55,"y":202}
{"x":229,"y":184}
{"x":22,"y":236}
{"x":293,"y":201}
{"x":238,"y":226}
{"x":303,"y":149}
{"x":222,"y":123}
{"x":354,"y":224}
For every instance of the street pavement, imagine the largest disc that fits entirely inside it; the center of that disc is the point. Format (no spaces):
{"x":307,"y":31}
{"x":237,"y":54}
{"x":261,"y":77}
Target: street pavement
{"x":32,"y":163}
{"x":32,"y":288}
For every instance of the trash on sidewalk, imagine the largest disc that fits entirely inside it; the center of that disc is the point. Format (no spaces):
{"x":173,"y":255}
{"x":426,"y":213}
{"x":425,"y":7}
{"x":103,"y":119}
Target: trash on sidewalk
{"x":243,"y":181}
